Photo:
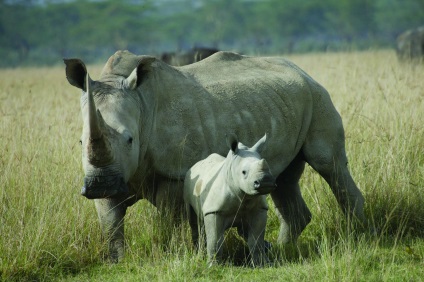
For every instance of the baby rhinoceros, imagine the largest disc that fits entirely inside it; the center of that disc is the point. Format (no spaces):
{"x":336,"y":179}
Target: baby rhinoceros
{"x":223,"y":192}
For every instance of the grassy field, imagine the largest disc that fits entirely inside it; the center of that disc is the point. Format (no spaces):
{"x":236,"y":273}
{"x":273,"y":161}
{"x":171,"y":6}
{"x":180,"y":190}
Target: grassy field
{"x":49,"y":232}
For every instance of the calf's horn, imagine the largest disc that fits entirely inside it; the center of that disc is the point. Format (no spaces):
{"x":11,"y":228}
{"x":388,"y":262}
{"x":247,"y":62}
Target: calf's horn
{"x":260,"y":145}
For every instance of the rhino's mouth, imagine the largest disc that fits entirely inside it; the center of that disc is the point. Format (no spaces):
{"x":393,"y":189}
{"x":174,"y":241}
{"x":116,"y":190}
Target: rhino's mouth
{"x":104,"y":187}
{"x":266,"y":188}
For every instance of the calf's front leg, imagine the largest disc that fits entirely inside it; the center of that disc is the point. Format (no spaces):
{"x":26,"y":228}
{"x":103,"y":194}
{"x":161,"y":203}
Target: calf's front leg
{"x":256,"y":223}
{"x":214,"y":228}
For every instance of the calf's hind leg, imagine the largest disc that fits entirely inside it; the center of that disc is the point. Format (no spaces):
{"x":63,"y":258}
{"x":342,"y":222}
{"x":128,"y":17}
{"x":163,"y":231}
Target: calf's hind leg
{"x":291,"y":209}
{"x":196,"y":234}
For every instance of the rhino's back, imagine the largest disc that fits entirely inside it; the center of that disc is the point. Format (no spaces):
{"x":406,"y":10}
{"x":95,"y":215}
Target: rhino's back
{"x":222,"y":67}
{"x":228,"y":93}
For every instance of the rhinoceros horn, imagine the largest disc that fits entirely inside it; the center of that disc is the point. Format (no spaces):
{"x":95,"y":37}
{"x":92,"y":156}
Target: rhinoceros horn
{"x":99,"y":147}
{"x":93,"y":123}
{"x":260,"y":145}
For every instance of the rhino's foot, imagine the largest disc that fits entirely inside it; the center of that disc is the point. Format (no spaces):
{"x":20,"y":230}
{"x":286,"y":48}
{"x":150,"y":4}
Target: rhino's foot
{"x":260,"y":261}
{"x":116,"y":251}
{"x":212,"y":263}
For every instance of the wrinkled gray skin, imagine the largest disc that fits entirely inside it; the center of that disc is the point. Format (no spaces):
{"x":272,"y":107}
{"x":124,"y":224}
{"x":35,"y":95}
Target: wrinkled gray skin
{"x":410,"y":45}
{"x":145,"y":123}
{"x":188,"y":57}
{"x":223,"y":192}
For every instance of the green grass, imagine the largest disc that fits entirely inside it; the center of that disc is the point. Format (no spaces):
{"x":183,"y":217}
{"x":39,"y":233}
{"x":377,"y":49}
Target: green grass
{"x":49,"y":232}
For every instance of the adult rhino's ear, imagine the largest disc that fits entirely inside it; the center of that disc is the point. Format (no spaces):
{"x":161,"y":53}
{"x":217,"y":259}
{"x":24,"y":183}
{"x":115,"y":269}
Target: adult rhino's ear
{"x":232,"y":142}
{"x":140,"y":72}
{"x":76,"y":72}
{"x":260,"y":145}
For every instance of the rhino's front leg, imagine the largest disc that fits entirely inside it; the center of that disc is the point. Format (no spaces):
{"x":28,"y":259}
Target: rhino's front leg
{"x":111,"y":214}
{"x":256,"y":233}
{"x":214,"y":228}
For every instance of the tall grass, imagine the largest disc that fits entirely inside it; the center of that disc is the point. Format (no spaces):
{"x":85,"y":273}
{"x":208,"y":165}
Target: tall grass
{"x":49,"y":232}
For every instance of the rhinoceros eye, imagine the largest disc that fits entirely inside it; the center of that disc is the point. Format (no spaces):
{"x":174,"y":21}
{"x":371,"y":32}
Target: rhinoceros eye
{"x":80,"y":142}
{"x":130,"y":140}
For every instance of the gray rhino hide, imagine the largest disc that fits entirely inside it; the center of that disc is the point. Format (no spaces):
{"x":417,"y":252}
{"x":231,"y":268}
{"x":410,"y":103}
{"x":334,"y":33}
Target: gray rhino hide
{"x":197,"y":105}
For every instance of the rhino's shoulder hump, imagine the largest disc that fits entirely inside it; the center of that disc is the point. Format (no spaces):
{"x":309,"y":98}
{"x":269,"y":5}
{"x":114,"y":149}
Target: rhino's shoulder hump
{"x":225,"y":56}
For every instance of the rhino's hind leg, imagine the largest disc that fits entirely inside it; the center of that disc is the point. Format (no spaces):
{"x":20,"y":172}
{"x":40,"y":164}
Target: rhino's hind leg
{"x":325,"y":152}
{"x":291,"y":209}
{"x":111,"y":213}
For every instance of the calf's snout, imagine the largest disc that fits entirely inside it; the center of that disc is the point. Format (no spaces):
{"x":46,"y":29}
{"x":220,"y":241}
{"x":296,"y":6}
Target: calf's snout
{"x":265,"y":184}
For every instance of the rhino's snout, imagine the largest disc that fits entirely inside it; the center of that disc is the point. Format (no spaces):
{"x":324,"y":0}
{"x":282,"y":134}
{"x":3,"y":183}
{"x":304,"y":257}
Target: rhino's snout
{"x":104,"y":187}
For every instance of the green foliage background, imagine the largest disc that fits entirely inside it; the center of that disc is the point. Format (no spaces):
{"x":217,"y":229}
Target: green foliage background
{"x":34,"y":32}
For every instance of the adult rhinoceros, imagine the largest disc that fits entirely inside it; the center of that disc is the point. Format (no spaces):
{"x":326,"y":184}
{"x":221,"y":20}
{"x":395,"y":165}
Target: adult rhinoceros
{"x":145,"y":123}
{"x":410,"y":45}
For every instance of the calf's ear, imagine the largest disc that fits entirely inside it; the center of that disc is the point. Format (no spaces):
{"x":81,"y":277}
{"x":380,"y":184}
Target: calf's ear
{"x":232,"y":142}
{"x":140,"y":72}
{"x":76,"y":72}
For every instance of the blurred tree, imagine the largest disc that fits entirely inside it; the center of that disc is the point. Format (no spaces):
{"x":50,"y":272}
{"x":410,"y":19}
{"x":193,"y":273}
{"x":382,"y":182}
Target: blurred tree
{"x":44,"y":31}
{"x":58,"y":21}
{"x":349,"y":19}
{"x":395,"y":16}
{"x":292,"y":20}
{"x":16,"y":28}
